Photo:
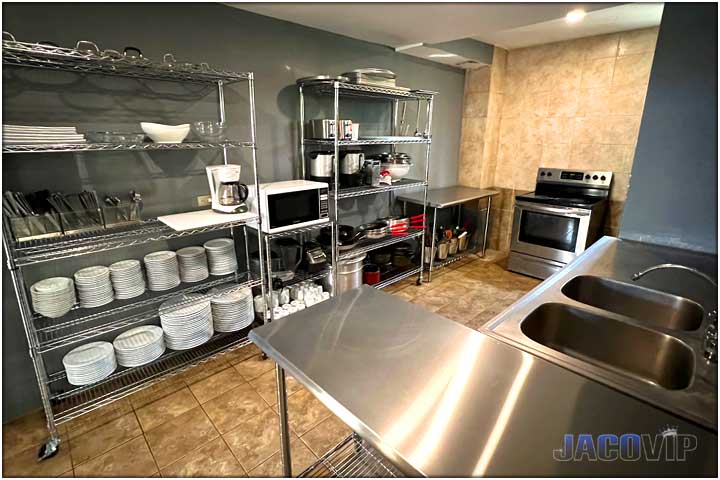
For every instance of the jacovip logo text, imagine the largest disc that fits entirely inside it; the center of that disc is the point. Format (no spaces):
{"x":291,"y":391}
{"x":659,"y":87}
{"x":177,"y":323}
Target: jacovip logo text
{"x":667,"y":446}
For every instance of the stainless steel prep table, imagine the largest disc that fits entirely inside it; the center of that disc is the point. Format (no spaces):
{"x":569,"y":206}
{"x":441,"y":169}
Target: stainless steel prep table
{"x":445,"y":198}
{"x":439,"y":399}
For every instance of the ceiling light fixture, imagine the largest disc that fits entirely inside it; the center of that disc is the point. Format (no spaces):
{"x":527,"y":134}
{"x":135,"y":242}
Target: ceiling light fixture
{"x":442,"y":55}
{"x":574,"y":16}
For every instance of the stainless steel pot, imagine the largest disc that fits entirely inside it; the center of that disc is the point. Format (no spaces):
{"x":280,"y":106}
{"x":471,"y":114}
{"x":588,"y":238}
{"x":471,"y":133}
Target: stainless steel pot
{"x":352,"y":163}
{"x":463,"y":242}
{"x":443,"y":249}
{"x":350,"y":272}
{"x":453,"y":246}
{"x":430,"y":253}
{"x":321,"y":164}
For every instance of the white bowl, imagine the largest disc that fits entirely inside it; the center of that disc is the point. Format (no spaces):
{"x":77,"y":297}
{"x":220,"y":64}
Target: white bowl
{"x":160,"y":133}
{"x":397,"y":170}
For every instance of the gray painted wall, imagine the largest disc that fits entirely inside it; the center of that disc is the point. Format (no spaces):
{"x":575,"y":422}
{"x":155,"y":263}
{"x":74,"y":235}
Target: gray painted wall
{"x":673,"y":190}
{"x":278,"y":52}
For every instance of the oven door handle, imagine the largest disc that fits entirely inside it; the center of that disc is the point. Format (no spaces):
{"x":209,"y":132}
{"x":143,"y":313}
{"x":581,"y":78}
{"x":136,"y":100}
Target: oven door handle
{"x":567,"y":211}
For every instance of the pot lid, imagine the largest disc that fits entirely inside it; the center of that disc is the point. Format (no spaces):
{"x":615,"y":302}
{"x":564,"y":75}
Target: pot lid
{"x":321,"y":79}
{"x":375,"y":72}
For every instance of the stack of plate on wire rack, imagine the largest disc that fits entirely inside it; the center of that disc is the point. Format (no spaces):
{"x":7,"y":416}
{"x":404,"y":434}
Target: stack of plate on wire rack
{"x":186,"y":320}
{"x":89,"y":363}
{"x":232,"y":308}
{"x":127,"y":279}
{"x":94,"y":286}
{"x":193,"y":264}
{"x":139,"y":345}
{"x":53,"y":297}
{"x":221,"y":256}
{"x":162,"y":270}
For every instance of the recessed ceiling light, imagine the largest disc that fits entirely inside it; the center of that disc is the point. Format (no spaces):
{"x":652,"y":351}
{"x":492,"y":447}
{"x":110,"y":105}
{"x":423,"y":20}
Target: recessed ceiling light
{"x":574,"y":16}
{"x":442,"y":55}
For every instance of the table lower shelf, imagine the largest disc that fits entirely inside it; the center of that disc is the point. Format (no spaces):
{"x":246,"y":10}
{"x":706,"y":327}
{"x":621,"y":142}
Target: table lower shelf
{"x":352,"y":458}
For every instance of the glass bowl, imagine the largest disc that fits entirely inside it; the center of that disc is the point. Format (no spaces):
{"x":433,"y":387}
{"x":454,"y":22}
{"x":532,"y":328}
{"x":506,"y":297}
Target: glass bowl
{"x":209,"y":131}
{"x":115,"y":137}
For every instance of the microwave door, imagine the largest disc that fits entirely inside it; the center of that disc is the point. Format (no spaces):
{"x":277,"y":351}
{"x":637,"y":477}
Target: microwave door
{"x":292,"y":208}
{"x":555,"y":233}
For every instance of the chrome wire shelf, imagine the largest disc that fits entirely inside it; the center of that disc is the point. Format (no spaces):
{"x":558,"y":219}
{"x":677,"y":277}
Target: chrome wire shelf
{"x":33,"y":55}
{"x":75,"y":327}
{"x":401,"y":184}
{"x":295,"y":231}
{"x":81,"y":400}
{"x":44,"y":250}
{"x":371,"y":91}
{"x":352,"y":458}
{"x":303,"y":276}
{"x":397,"y":277}
{"x":437,"y":264}
{"x":118,"y":147}
{"x":384,"y":140}
{"x":366,"y":246}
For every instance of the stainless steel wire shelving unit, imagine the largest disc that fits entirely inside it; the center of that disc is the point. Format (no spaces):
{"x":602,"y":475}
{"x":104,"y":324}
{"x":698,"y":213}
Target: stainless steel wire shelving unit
{"x":352,"y":458}
{"x":300,"y":276}
{"x":384,"y":95}
{"x":46,"y":337}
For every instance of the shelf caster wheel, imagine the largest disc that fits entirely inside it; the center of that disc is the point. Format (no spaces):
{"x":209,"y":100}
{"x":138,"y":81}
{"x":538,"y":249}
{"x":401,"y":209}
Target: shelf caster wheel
{"x":49,"y":449}
{"x":418,"y":282}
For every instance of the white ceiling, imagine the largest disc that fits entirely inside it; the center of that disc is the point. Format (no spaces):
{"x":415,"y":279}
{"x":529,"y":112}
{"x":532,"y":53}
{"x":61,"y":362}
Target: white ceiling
{"x":509,"y":25}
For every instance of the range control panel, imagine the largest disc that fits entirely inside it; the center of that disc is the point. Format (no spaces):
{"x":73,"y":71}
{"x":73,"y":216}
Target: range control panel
{"x":595,"y":179}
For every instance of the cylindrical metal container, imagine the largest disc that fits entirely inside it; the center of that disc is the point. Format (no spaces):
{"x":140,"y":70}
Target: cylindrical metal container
{"x":453,"y":246}
{"x":350,"y":273}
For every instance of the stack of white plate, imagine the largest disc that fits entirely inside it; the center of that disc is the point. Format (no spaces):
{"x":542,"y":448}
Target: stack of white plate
{"x":35,"y":134}
{"x":139,"y":345}
{"x":232,"y":308}
{"x":89,"y":363}
{"x":186,"y":320}
{"x":127,"y":279}
{"x":193,"y":264}
{"x":53,"y":297}
{"x":162,"y":270}
{"x":94,"y":286}
{"x":221,"y":256}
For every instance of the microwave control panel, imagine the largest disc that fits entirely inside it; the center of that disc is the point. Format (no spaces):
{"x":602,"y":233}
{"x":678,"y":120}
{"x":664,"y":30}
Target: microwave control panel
{"x":324,"y":207}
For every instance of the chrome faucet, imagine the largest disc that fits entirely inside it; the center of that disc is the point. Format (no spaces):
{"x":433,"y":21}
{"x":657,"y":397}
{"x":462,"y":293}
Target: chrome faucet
{"x":710,"y":339}
{"x":639,"y":275}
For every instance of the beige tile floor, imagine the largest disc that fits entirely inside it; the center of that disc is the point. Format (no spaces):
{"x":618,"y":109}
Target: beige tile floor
{"x":220,"y":418}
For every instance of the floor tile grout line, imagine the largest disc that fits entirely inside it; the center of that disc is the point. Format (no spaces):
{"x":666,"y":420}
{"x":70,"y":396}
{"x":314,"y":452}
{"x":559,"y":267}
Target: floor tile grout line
{"x":190,"y":452}
{"x":80,"y":464}
{"x":222,"y":436}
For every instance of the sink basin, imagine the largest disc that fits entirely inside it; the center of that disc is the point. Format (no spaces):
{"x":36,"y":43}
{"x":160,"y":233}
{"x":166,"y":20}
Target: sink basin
{"x":643,"y":304}
{"x":645,"y":354}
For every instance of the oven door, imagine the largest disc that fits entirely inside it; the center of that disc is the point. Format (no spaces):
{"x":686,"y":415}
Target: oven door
{"x":552,"y":232}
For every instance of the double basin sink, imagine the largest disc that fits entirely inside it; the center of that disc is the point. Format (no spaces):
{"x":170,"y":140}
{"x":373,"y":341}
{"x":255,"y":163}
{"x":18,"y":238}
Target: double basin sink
{"x":643,"y":341}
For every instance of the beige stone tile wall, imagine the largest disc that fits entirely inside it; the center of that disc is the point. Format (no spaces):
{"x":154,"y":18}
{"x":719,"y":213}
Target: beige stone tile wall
{"x":574,"y":104}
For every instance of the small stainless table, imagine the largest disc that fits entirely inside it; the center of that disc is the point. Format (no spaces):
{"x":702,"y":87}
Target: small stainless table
{"x":444,"y":198}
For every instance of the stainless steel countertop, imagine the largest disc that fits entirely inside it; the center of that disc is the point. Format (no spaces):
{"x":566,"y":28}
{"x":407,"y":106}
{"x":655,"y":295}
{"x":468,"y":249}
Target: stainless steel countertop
{"x":448,"y":196}
{"x":440,"y":399}
{"x":617,"y":259}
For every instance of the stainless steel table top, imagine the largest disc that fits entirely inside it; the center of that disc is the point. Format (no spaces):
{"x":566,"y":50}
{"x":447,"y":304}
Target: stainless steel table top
{"x":440,"y":399}
{"x":448,"y":196}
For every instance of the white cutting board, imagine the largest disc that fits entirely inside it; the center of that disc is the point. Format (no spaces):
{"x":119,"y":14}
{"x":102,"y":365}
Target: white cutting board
{"x":203,"y":218}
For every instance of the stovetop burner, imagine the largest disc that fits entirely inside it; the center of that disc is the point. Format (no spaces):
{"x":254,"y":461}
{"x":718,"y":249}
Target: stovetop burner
{"x":569,"y":188}
{"x":559,"y":200}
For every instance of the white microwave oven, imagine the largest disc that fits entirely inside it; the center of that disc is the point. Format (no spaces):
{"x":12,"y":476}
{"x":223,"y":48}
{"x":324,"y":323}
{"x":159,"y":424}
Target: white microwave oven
{"x":291,"y":204}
